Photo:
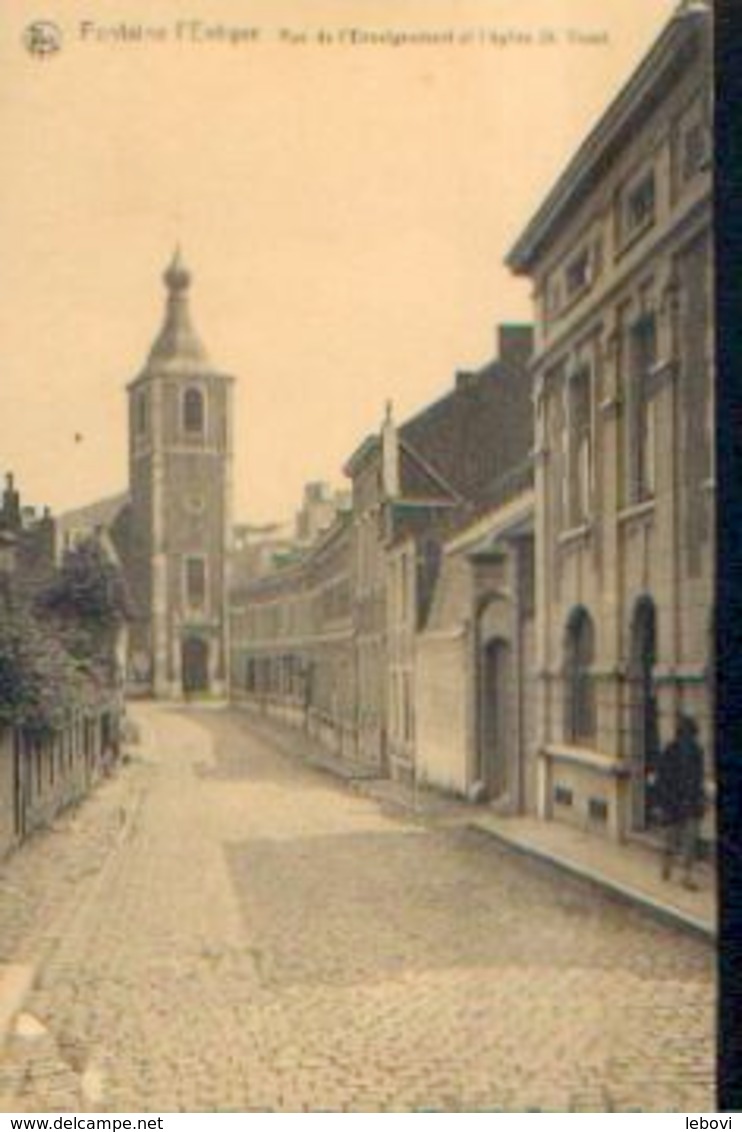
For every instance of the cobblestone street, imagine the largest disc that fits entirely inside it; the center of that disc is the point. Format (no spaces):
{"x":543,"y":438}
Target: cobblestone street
{"x":221,"y":927}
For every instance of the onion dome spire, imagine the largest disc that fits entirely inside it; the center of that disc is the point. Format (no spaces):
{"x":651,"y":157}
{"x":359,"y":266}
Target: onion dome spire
{"x":177,"y":347}
{"x":177,"y":277}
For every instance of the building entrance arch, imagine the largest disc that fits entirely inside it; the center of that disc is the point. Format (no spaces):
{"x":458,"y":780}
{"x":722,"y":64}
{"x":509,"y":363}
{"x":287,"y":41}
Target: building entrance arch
{"x":496,"y":753}
{"x":195,"y":665}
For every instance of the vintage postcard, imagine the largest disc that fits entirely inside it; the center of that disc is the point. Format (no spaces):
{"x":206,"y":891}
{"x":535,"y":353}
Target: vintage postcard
{"x":356,"y":557}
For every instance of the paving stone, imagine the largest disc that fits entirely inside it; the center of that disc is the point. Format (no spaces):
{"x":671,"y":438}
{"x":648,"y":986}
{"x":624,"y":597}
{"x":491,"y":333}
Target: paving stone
{"x":263,"y":938}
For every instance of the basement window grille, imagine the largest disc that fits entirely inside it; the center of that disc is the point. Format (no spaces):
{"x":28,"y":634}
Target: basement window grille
{"x":597,"y":810}
{"x":563,"y":796}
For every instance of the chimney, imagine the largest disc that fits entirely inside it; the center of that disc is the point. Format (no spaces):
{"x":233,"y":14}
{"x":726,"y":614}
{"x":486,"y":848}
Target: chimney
{"x":389,"y":455}
{"x":11,"y":505}
{"x":515,"y":343}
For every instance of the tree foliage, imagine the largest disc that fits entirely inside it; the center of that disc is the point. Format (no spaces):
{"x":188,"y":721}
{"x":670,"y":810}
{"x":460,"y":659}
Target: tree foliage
{"x":57,"y":652}
{"x":40,"y":682}
{"x":87,"y":602}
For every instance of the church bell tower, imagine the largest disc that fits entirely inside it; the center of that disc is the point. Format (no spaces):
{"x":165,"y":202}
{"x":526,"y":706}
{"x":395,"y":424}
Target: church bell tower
{"x":180,"y":457}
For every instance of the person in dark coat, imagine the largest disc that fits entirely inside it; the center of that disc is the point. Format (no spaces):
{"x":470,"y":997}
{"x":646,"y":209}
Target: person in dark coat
{"x":680,"y":797}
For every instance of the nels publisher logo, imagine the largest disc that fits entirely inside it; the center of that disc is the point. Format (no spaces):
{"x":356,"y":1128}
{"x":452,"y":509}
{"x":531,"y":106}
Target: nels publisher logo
{"x":42,"y":39}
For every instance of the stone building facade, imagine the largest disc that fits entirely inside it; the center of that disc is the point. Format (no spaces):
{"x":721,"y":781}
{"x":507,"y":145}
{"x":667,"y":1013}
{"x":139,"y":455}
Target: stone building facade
{"x":343,"y":621}
{"x":460,"y":457}
{"x":374,"y":472}
{"x":178,"y":526}
{"x":475,"y":660}
{"x":620,"y":255}
{"x":293,"y":654}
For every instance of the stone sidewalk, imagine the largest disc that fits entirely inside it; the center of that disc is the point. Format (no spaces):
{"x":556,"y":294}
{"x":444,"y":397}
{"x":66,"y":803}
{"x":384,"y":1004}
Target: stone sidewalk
{"x":629,"y":871}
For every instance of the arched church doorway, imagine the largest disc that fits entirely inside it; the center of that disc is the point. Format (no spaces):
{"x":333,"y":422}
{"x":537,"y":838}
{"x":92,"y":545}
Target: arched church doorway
{"x":643,"y":714}
{"x":195,"y":665}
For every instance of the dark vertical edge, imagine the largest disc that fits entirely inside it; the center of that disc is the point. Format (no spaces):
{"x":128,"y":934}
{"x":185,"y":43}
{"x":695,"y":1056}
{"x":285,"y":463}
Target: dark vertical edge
{"x":728,"y":620}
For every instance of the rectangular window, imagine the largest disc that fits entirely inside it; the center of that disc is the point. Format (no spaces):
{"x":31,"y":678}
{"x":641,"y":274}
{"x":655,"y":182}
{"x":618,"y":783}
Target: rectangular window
{"x":695,"y":150}
{"x":580,"y":446}
{"x":195,"y":583}
{"x":642,"y":359}
{"x":597,"y":810}
{"x":553,"y":297}
{"x":559,"y":430}
{"x":638,"y":206}
{"x":563,"y":795}
{"x":691,"y":144}
{"x":577,"y":274}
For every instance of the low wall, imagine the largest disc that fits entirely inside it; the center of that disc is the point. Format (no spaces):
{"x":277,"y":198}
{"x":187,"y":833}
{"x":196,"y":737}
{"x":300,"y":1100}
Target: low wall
{"x":41,"y":774}
{"x":442,"y":713}
{"x":7,"y":791}
{"x":336,"y":736}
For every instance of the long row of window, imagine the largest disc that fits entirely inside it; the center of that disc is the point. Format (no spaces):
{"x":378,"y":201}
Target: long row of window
{"x":306,"y":614}
{"x":321,"y":685}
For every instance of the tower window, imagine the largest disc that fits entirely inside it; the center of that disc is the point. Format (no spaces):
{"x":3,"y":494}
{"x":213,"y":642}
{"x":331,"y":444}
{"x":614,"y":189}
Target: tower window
{"x":195,"y":583}
{"x":193,"y":411}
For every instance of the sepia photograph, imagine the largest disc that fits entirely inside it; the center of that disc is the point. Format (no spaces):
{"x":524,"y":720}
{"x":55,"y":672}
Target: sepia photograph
{"x":357,"y":557}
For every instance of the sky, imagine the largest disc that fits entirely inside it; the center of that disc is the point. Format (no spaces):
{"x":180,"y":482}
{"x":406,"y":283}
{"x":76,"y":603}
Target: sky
{"x":345,"y":207}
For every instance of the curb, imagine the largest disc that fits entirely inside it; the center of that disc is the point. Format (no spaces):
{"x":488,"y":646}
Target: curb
{"x":665,"y":912}
{"x":363,"y":785}
{"x":289,"y":741}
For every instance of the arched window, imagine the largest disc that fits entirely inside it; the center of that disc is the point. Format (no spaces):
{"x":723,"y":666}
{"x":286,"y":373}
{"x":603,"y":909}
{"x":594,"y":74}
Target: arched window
{"x":580,"y":691}
{"x":193,"y":411}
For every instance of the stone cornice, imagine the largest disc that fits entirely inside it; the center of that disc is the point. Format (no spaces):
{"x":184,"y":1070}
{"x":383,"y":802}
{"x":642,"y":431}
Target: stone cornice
{"x":645,"y":87}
